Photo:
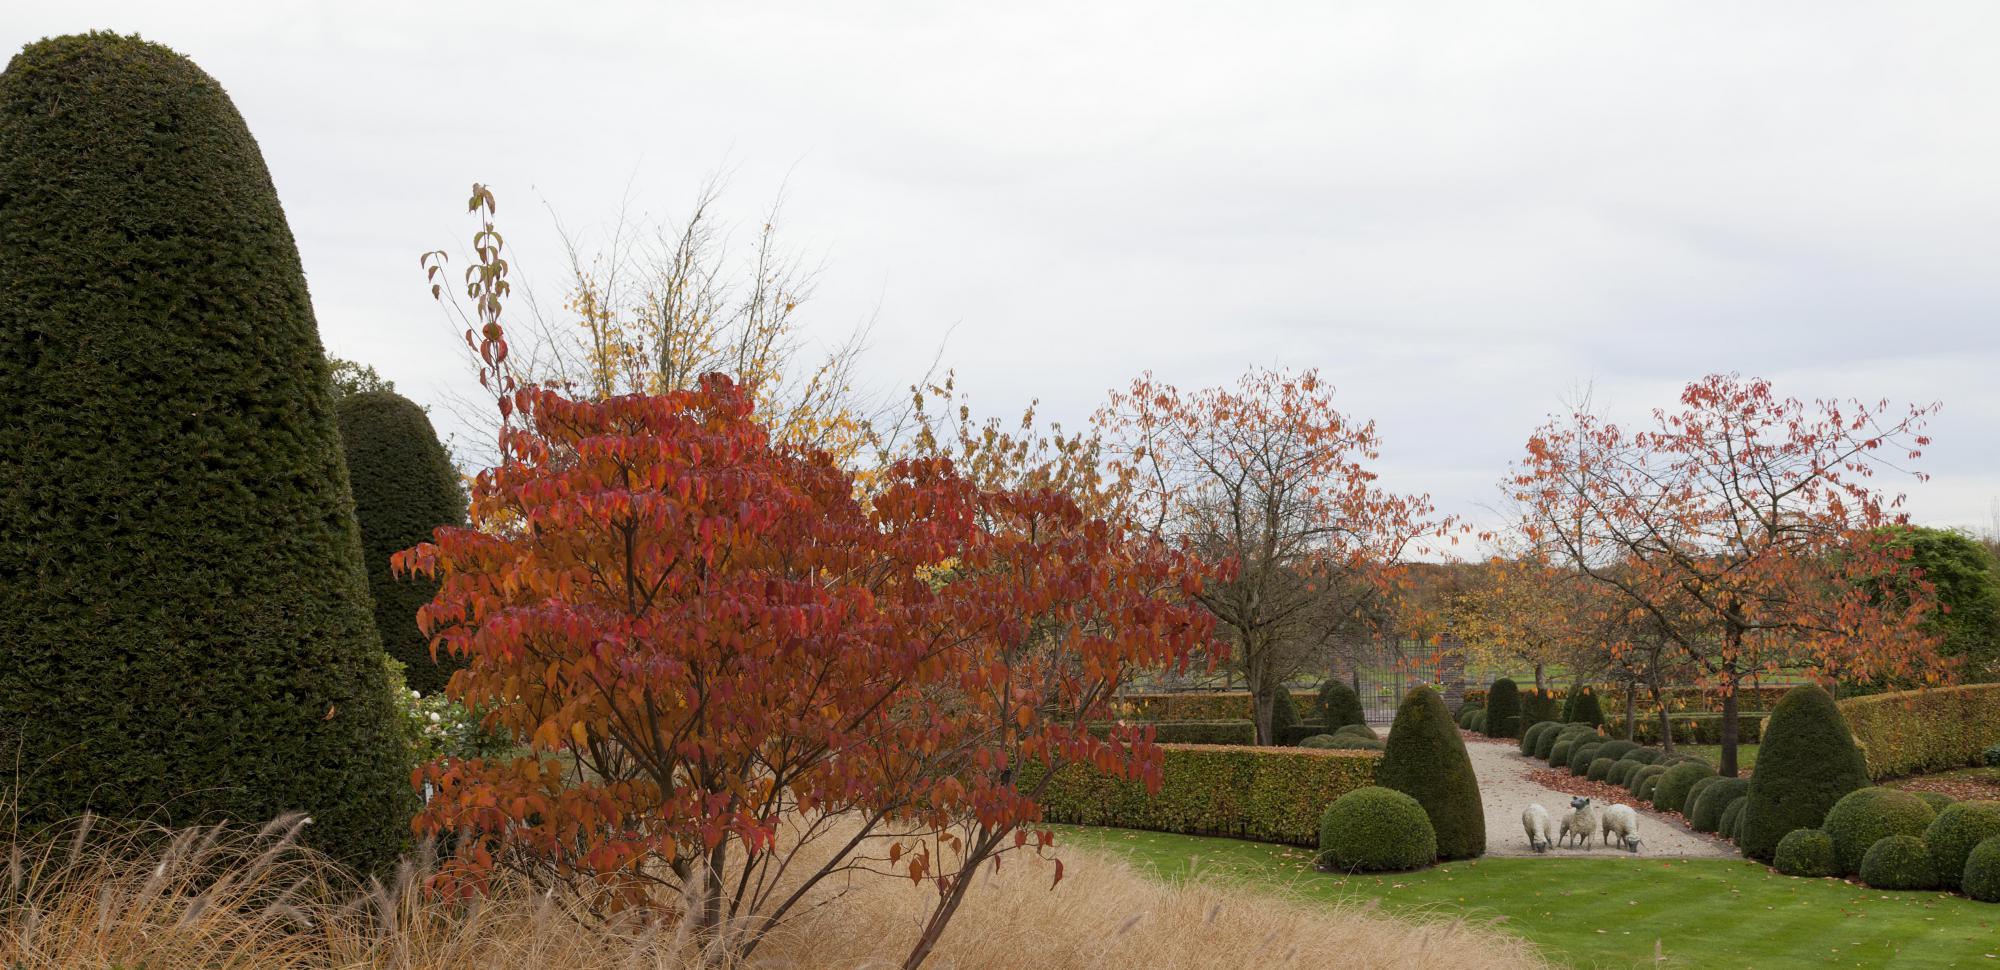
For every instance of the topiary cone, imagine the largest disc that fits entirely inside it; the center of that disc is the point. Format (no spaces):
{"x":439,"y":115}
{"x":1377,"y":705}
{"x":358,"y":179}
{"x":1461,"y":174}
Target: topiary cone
{"x":185,"y":628}
{"x":404,"y":488}
{"x":1806,"y":763}
{"x":1426,"y":759}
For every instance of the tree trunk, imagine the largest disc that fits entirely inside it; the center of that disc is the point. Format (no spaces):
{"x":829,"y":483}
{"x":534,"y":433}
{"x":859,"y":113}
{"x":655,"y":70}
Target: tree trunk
{"x":1631,"y":707}
{"x":1660,"y":705}
{"x":1540,"y":686}
{"x":1728,"y":767}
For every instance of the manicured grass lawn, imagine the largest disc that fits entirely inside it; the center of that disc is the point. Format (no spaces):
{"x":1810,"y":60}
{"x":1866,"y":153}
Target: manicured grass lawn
{"x":1746,"y":754}
{"x":1612,"y":912}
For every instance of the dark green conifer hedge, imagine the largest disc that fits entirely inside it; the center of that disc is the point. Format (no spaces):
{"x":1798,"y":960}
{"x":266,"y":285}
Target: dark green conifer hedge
{"x":185,"y":629}
{"x":404,"y":488}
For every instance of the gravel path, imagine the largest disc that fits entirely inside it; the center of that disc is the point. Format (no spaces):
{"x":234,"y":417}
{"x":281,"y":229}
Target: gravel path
{"x":1506,"y":790}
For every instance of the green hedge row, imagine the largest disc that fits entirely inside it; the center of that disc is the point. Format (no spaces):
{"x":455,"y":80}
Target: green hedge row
{"x":1701,"y":728}
{"x":1914,"y":731}
{"x":1198,"y":732}
{"x":1267,"y":794}
{"x":1212,"y":705}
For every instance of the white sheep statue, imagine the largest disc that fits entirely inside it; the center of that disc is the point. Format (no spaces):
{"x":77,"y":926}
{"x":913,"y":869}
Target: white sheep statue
{"x":1623,"y":822}
{"x":1540,"y":827}
{"x":1581,"y":823}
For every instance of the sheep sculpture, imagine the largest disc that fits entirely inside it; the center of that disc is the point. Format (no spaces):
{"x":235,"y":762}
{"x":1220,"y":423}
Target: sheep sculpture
{"x":1581,"y":823}
{"x":1623,"y":822}
{"x":1540,"y":827}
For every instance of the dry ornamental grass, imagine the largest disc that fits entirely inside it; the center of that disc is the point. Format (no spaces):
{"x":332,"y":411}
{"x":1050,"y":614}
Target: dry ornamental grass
{"x":214,"y":899}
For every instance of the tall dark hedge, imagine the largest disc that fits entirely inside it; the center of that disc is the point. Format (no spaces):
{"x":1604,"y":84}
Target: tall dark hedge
{"x":1503,"y":709}
{"x":1339,"y":705}
{"x":185,"y":630}
{"x":1582,"y":706}
{"x":1539,"y":705}
{"x":1806,"y":763}
{"x":404,"y":487}
{"x":1426,"y":760}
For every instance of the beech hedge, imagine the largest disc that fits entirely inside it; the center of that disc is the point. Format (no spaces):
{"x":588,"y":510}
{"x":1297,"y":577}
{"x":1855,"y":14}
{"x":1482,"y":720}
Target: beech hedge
{"x":1915,"y":731}
{"x":1266,"y":794}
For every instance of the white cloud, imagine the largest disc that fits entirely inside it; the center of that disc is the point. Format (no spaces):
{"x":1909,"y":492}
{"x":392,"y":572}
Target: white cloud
{"x":1458,"y":212}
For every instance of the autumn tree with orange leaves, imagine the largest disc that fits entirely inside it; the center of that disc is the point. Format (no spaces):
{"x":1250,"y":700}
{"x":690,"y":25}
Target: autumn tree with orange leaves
{"x":1744,"y":525}
{"x":1270,"y":477}
{"x":717,"y":654}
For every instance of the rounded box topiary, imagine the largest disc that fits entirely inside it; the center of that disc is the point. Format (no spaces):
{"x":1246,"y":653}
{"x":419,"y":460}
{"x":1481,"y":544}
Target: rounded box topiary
{"x":1936,"y":800}
{"x":1694,"y":794}
{"x":1732,"y":817}
{"x":1806,"y":762}
{"x":1644,"y":756}
{"x":1534,"y":733}
{"x":1713,"y":801}
{"x":1898,"y":862}
{"x":1348,"y":742}
{"x":1671,"y":793}
{"x":1338,"y":705}
{"x":186,"y":632}
{"x":1617,"y":748}
{"x":1426,"y":760}
{"x":1376,"y":830}
{"x":1599,"y":768}
{"x":1648,"y":785}
{"x":1806,"y":853}
{"x":1357,"y":730}
{"x":1866,"y":816}
{"x":1621,"y":773}
{"x":1981,"y":877}
{"x":1581,"y":755}
{"x":1324,"y":741}
{"x":1479,"y":723}
{"x":1559,"y":755}
{"x":1951,"y":836}
{"x":1546,"y":744}
{"x":1639,"y":777}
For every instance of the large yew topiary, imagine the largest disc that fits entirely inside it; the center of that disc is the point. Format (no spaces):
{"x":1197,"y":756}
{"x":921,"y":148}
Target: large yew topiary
{"x":404,"y":487}
{"x":1338,"y":705}
{"x":185,"y":630}
{"x":1426,"y":760}
{"x":1503,"y":709}
{"x":1806,"y":763}
{"x":1582,"y":706}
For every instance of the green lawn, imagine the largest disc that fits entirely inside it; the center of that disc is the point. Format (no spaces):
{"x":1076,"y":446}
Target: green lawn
{"x":1611,"y":912}
{"x":1746,"y":754}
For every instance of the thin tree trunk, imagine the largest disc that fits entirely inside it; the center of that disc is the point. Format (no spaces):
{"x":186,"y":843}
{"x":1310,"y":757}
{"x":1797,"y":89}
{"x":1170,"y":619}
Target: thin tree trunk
{"x":1539,"y":684}
{"x":1631,"y":707}
{"x":1728,"y":767}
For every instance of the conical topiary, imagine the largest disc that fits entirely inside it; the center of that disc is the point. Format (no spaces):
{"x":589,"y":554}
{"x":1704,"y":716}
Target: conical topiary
{"x":1503,"y":709}
{"x":1339,"y":705}
{"x":1582,"y":707}
{"x":185,"y":628}
{"x":404,"y":487}
{"x":1426,"y":760}
{"x":1284,"y":713}
{"x":1806,"y":762}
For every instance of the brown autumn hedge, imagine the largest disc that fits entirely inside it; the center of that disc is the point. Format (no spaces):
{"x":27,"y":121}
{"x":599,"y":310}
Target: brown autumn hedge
{"x":1914,"y":731}
{"x":1267,"y":794}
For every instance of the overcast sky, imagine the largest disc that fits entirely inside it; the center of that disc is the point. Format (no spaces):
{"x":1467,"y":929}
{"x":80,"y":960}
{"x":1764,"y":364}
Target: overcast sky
{"x":1460,"y":214}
